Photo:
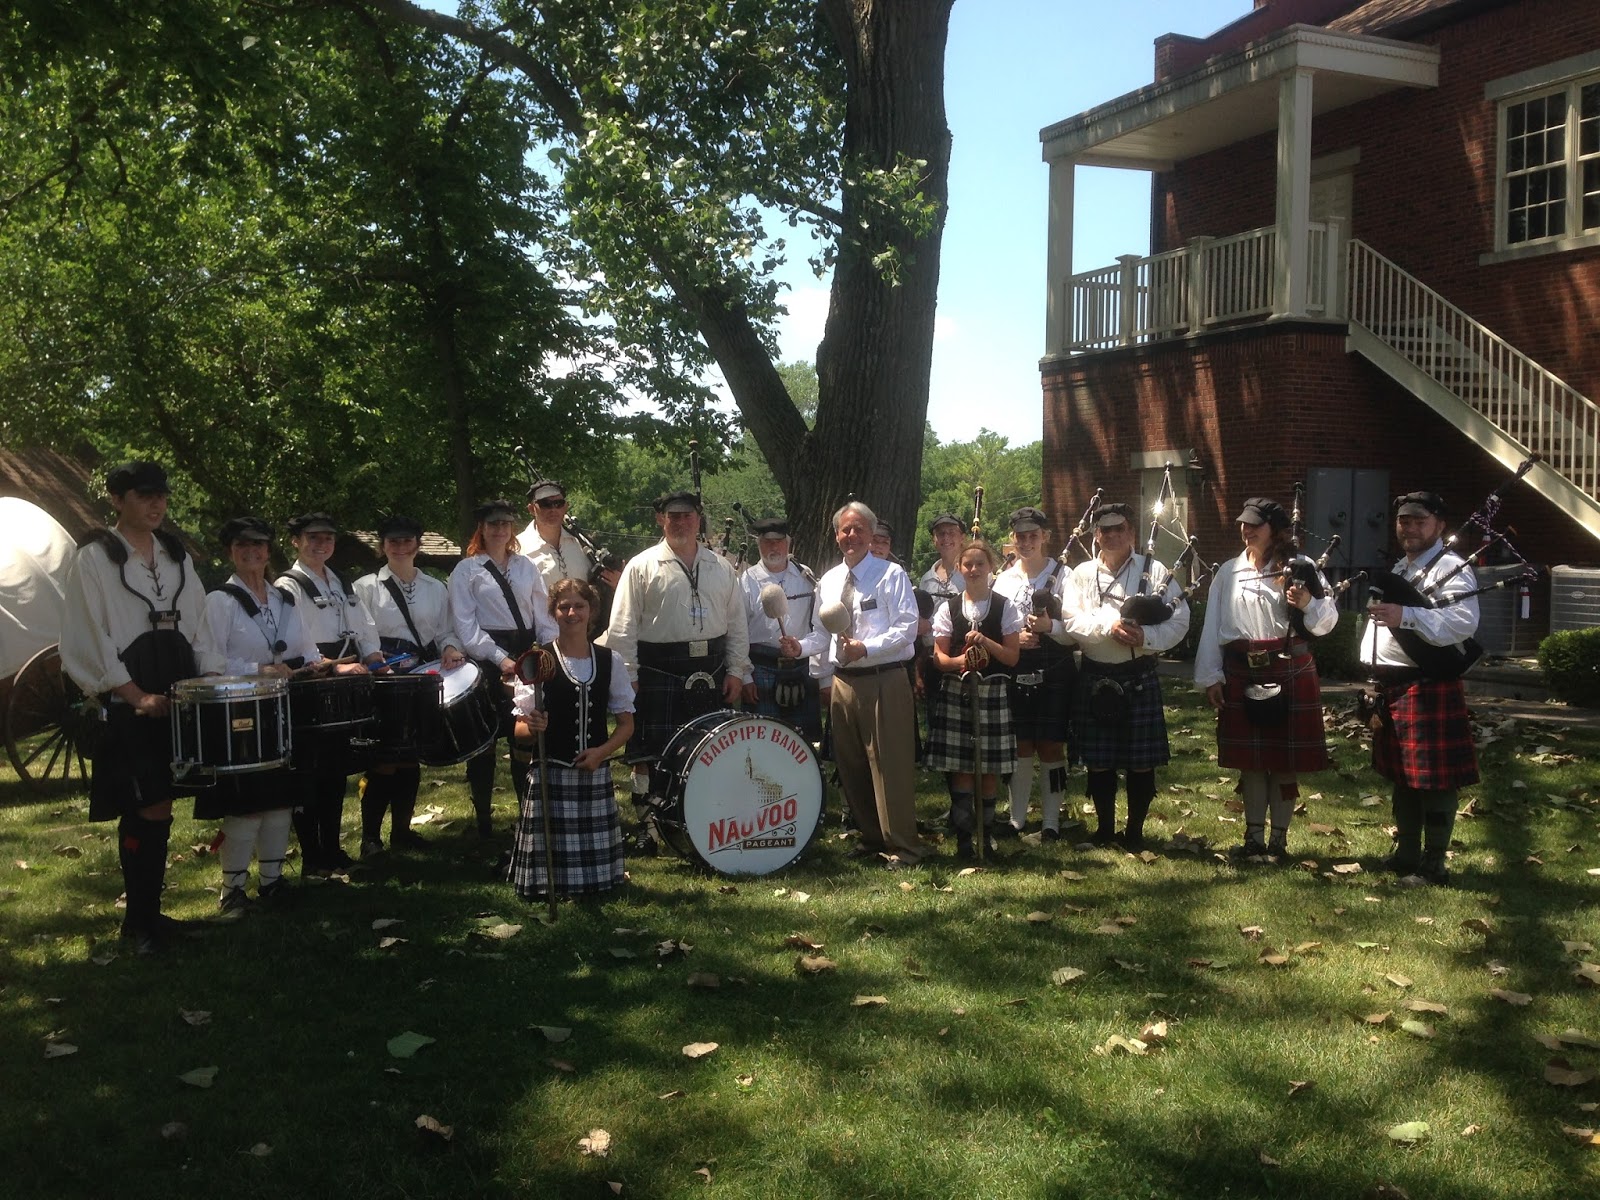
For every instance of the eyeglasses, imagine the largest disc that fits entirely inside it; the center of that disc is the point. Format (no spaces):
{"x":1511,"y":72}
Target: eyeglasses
{"x":552,"y":502}
{"x":500,"y":521}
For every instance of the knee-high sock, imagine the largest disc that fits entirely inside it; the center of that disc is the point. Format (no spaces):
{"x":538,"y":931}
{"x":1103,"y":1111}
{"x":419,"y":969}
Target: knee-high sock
{"x":403,"y":787}
{"x":1253,"y":791}
{"x":1021,"y":786}
{"x":330,"y":815}
{"x":271,"y":844}
{"x":239,"y":836}
{"x":142,"y":852}
{"x":962,"y":820}
{"x":480,"y":779}
{"x":1438,"y":822}
{"x":1408,"y":816}
{"x":1103,"y":791}
{"x":1282,"y":792}
{"x":1052,"y":793}
{"x":1141,"y":791}
{"x":375,"y":789}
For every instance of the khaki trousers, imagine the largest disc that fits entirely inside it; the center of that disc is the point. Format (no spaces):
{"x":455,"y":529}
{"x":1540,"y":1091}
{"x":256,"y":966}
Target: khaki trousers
{"x":874,"y":747}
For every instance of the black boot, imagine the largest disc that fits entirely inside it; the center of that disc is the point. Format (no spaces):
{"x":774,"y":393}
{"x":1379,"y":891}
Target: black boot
{"x":1102,"y":789}
{"x":374,"y":789}
{"x":1438,"y":823}
{"x":330,"y":824}
{"x":1141,"y":791}
{"x":142,"y":849}
{"x":480,"y":780}
{"x":1407,"y":856}
{"x":308,"y":832}
{"x":961,"y":823}
{"x":403,"y":804}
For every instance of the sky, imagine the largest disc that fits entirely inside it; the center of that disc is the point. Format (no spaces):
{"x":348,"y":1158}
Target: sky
{"x":1011,"y":68}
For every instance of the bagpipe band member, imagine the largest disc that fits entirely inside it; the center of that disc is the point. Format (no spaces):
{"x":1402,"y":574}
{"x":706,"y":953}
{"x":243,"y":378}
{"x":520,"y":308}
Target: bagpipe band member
{"x":334,"y":618}
{"x":1422,"y":742}
{"x":871,"y":708}
{"x":1042,"y":685}
{"x":134,"y":623}
{"x":258,"y":629}
{"x":570,"y":709}
{"x":975,"y":634}
{"x":410,"y":611}
{"x":778,"y":686}
{"x":1258,"y":675}
{"x":678,"y":621}
{"x":546,"y":541}
{"x":1118,"y":722}
{"x":499,"y":608}
{"x":939,"y":583}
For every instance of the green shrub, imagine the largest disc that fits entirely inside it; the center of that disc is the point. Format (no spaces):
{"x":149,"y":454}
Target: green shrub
{"x":1338,"y":654}
{"x":1570,"y":660}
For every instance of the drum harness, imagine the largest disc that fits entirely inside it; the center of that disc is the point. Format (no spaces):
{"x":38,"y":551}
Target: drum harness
{"x":347,"y":636}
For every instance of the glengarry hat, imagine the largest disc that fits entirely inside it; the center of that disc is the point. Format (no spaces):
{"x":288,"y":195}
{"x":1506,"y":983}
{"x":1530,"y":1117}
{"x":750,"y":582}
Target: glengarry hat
{"x":1419,"y":504}
{"x":1258,"y":510}
{"x":141,"y":475}
{"x":1109,"y":516}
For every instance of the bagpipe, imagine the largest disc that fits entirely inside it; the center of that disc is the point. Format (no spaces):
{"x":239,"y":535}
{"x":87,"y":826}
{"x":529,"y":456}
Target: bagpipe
{"x":1388,"y":587}
{"x":1145,"y":607}
{"x":600,"y":558}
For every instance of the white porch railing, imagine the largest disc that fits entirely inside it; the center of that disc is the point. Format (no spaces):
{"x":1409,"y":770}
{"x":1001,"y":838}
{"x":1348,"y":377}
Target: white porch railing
{"x":1499,"y":382}
{"x":1209,"y":281}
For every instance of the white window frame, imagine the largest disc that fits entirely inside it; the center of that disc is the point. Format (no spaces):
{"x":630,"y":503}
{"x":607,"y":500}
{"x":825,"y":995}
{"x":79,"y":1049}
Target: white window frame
{"x":1569,"y":76}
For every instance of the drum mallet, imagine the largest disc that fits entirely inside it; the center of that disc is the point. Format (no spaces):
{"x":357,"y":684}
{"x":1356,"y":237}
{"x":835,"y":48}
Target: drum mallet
{"x":775,"y":603}
{"x":537,"y":667}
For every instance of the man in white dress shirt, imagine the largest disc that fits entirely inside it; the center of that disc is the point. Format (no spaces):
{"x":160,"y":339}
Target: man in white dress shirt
{"x":871,"y":707}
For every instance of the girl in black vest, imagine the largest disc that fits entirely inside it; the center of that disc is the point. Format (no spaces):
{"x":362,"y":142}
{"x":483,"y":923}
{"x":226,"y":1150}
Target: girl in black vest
{"x":967,"y":629}
{"x":570,"y":709}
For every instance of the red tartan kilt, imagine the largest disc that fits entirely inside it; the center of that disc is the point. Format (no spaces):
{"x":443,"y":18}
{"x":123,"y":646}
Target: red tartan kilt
{"x":1427,"y":742}
{"x":1296,"y":744}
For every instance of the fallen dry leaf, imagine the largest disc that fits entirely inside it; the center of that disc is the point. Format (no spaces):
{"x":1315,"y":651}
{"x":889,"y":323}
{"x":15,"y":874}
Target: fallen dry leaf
{"x":386,"y":923}
{"x":1408,"y":1133}
{"x":1574,"y":1037}
{"x":1472,"y":1130}
{"x":1560,"y":1072}
{"x":554,"y":1033}
{"x":1577,"y":947}
{"x":1306,"y":947}
{"x":1478,"y":925}
{"x":1517,"y":998}
{"x":429,"y":1128}
{"x":1377,"y":1018}
{"x":1347,"y":868}
{"x":1271,"y":959}
{"x":1400,"y":981}
{"x":727,"y":889}
{"x":195,"y":1017}
{"x":704,"y":979}
{"x":1109,"y":928}
{"x":796,"y":941}
{"x":502,"y":931}
{"x":1039,"y":918}
{"x":1417,"y":1029}
{"x":561,"y":1064}
{"x":597,"y":1144}
{"x":674,"y":1094}
{"x":389,"y":943}
{"x":815,"y":964}
{"x":1296,"y":1086}
{"x":1588,"y":973}
{"x":1062,"y":976}
{"x":1154,"y":1033}
{"x":200,"y":1077}
{"x":699,"y":1049}
{"x":1428,"y":1006}
{"x":59,"y":1049}
{"x":1266,"y":1160}
{"x":869,"y":1002}
{"x":1117,"y":1044}
{"x":1251,"y":932}
{"x":260,"y":1150}
{"x":744,"y":1080}
{"x":1129,"y":966}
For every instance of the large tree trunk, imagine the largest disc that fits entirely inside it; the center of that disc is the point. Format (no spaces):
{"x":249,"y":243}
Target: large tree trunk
{"x":877,"y":348}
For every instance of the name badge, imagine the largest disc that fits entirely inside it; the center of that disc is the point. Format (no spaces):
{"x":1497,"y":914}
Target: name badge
{"x":699,"y":649}
{"x":870,"y":604}
{"x":164,"y":621}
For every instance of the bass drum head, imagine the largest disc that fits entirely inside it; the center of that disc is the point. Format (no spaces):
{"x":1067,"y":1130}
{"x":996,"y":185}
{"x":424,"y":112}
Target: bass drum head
{"x":744,"y":793}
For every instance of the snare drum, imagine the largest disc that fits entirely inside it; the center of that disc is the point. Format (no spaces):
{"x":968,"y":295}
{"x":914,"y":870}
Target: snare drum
{"x":406,"y":707}
{"x":229,"y":725}
{"x":466,"y":720}
{"x":738,"y":793}
{"x":333,"y":723}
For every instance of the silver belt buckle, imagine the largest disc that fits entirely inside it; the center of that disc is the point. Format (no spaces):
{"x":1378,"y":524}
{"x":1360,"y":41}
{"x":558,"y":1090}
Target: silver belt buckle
{"x":699,"y":649}
{"x":1258,"y":659}
{"x":1032,"y":679}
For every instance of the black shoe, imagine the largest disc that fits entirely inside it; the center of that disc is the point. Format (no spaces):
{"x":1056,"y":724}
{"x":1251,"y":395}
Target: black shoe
{"x":233,"y":900}
{"x":1002,"y":831}
{"x":168,"y":927}
{"x":1435,"y":872}
{"x":275,"y":894}
{"x":1278,"y":848}
{"x":151,"y":943}
{"x":1049,"y":835}
{"x":1103,"y":837}
{"x":338,"y":860}
{"x":405,"y":839}
{"x":1402,"y":867}
{"x":1131,"y":842}
{"x":1250,"y":849}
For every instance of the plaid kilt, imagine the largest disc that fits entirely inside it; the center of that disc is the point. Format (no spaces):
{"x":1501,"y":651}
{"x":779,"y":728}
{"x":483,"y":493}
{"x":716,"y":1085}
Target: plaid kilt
{"x":661,"y":707}
{"x":1138,"y":743}
{"x":1043,"y":712}
{"x":807,"y":716}
{"x":1425,"y":740}
{"x":950,"y":732}
{"x":588,"y":836}
{"x":1298,"y":743}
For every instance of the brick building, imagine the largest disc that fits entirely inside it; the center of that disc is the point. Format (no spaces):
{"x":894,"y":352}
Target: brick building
{"x":1375,"y":266}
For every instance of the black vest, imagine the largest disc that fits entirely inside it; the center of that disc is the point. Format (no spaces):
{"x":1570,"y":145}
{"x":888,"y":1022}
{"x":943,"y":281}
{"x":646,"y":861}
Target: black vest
{"x":989,"y":627}
{"x":577,"y":711}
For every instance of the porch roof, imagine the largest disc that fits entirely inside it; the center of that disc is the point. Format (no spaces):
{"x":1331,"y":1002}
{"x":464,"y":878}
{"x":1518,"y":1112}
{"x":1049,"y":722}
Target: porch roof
{"x":1235,"y":96}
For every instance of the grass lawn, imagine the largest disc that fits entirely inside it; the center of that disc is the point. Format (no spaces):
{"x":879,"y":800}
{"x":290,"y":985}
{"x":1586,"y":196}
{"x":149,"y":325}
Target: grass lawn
{"x":976,"y":1076}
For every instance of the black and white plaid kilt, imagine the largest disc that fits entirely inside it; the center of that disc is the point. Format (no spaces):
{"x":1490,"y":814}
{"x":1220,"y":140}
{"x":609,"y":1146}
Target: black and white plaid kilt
{"x":662,"y":706}
{"x":1299,"y":742}
{"x":950,"y":731}
{"x":588,"y":836}
{"x":1425,"y":741}
{"x":807,"y":715}
{"x":1136,"y":744}
{"x":1042,"y":712}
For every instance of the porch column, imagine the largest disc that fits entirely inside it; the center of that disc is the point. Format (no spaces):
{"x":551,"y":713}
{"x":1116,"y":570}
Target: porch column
{"x":1291,"y":261}
{"x":1058,"y":258}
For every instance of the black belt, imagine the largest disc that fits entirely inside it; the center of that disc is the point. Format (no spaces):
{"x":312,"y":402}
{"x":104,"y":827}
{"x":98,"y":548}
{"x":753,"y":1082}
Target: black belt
{"x":668,"y":656}
{"x":1145,"y":664}
{"x":768,"y":656}
{"x":877,"y":670}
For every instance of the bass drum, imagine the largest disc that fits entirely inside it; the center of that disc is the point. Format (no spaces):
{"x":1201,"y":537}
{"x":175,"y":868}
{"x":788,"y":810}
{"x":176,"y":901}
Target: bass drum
{"x":738,"y":793}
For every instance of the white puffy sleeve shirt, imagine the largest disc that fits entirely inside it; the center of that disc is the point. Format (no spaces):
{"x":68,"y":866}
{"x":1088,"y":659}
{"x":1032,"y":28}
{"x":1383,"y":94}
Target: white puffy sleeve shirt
{"x":248,"y":643}
{"x":429,"y":605}
{"x":477,"y":603}
{"x":1245,"y":605}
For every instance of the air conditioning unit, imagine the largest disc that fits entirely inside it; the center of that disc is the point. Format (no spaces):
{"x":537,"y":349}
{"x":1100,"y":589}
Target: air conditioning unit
{"x":1574,"y":598}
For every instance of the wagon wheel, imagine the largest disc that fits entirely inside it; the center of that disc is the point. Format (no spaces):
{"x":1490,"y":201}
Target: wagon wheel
{"x":41,"y":724}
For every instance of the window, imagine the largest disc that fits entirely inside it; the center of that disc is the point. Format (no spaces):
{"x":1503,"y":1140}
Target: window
{"x":1550,"y":164}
